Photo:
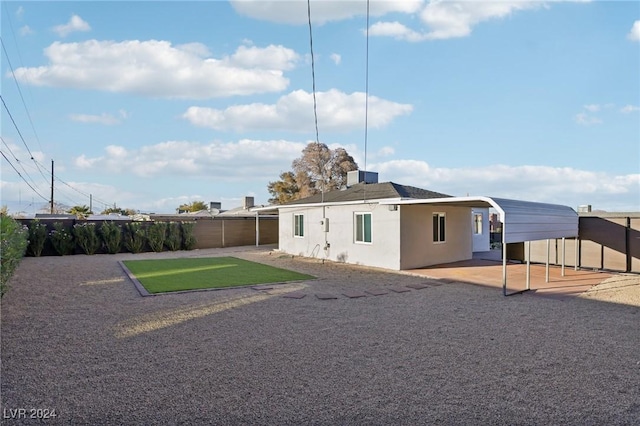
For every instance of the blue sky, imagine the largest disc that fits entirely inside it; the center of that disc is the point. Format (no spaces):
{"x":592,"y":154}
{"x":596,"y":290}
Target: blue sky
{"x":149,"y":105}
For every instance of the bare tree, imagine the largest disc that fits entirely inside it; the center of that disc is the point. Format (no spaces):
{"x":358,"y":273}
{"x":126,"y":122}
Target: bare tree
{"x":318,"y":169}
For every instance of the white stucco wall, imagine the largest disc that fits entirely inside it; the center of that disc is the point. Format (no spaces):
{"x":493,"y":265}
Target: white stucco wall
{"x":383,"y":251}
{"x":401,"y":239}
{"x":416,"y":235}
{"x":481,"y":241}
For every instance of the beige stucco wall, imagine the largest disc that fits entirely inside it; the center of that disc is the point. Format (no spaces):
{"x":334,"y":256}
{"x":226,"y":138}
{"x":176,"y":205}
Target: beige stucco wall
{"x":416,"y":235}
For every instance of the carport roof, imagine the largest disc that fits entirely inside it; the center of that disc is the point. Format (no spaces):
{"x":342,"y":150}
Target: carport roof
{"x":522,"y":220}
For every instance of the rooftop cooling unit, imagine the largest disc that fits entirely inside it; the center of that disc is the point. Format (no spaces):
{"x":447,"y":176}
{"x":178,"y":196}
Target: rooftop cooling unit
{"x":360,"y":176}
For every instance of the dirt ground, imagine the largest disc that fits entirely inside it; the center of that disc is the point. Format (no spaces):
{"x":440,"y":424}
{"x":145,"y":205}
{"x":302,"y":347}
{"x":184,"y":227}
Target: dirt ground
{"x":80,"y":341}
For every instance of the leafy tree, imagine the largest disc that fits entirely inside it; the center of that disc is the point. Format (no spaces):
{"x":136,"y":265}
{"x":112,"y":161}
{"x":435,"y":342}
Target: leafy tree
{"x":318,"y":169}
{"x":194,"y":206}
{"x":124,"y":212}
{"x":284,"y":190}
{"x":81,"y":212}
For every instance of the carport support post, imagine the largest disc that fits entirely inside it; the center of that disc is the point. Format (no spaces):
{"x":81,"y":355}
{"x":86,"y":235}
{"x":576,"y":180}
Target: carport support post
{"x":575,"y":267}
{"x":257,"y":229}
{"x":546,"y":275}
{"x":504,"y":260}
{"x":564,"y":248}
{"x":528,"y":265}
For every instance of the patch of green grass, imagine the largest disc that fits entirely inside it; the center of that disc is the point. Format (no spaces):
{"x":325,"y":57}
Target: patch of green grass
{"x":166,"y":275}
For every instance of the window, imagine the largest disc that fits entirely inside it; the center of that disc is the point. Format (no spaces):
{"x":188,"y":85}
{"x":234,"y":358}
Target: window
{"x":438,"y":227}
{"x":298,"y":225}
{"x":363,"y":227}
{"x":477,"y":224}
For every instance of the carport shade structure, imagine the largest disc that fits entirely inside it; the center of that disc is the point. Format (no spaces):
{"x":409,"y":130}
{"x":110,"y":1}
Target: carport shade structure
{"x":522,"y":221}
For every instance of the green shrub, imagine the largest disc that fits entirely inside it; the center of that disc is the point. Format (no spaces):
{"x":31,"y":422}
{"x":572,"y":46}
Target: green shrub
{"x":156,"y":234}
{"x":86,"y":237}
{"x":37,"y":237}
{"x":188,"y":237}
{"x":13,"y":244}
{"x":61,"y":239}
{"x":173,"y":241}
{"x":134,"y":237}
{"x":111,"y":237}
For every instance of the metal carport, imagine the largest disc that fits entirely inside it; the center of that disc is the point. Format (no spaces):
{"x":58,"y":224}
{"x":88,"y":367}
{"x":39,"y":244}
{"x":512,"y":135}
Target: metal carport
{"x":522,"y":221}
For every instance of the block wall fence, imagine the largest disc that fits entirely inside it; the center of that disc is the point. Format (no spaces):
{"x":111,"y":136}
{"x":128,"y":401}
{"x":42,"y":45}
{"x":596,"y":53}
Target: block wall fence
{"x":604,"y":243}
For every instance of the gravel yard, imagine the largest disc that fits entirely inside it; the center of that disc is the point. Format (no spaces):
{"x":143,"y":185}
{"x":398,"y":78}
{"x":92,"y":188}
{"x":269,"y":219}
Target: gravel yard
{"x":79,"y":339}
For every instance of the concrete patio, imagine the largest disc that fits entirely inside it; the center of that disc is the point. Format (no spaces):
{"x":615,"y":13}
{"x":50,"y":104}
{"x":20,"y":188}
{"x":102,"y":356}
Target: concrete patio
{"x":488,"y":272}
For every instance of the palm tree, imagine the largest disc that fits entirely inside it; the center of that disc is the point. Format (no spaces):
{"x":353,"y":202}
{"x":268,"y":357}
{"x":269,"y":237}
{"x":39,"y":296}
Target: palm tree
{"x":81,"y":212}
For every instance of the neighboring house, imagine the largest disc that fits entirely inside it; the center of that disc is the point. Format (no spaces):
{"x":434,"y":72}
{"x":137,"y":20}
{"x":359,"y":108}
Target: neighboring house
{"x":403,"y":227}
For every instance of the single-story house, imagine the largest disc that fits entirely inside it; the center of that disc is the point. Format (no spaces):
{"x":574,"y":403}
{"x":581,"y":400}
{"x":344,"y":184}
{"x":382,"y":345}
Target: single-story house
{"x":400,"y":227}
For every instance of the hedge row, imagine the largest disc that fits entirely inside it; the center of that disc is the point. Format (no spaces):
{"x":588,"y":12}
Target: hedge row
{"x":110,"y":237}
{"x":13,"y":244}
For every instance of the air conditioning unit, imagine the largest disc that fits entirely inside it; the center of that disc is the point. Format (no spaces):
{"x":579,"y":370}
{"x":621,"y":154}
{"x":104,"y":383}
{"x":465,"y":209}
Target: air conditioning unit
{"x":361,"y":176}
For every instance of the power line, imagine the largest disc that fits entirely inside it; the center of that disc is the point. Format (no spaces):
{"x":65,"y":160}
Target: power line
{"x":20,"y":134}
{"x":17,"y":160}
{"x":20,"y":92}
{"x":84,"y":194}
{"x":366,"y":94}
{"x":16,"y":126}
{"x":313,"y":73}
{"x":21,"y":177}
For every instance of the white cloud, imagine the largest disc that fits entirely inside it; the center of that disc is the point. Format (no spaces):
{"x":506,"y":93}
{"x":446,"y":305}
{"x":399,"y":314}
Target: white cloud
{"x":75,"y":24}
{"x":228,"y":161}
{"x":562,"y":185}
{"x":337,"y":111}
{"x":269,"y":58}
{"x":104,"y":118}
{"x":627,"y":109}
{"x":451,"y":19}
{"x":385,"y":151}
{"x":634,"y":34}
{"x":336,"y":58}
{"x":587,"y":120}
{"x":592,"y":107}
{"x":20,"y":12}
{"x":295,"y":11}
{"x":158,"y":69}
{"x":396,"y":30}
{"x":26,"y":30}
{"x":456,"y":19}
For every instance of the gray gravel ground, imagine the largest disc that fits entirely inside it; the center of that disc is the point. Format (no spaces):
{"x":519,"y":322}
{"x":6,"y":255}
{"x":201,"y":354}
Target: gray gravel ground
{"x":78,"y":338}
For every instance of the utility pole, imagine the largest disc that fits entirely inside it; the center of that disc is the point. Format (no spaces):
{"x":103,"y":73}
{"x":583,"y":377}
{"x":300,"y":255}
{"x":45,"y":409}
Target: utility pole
{"x":51,"y":186}
{"x":90,"y":202}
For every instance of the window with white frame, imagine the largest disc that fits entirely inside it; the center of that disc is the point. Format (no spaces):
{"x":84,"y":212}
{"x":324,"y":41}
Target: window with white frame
{"x":363,"y":227}
{"x":439,"y":222}
{"x":298,"y":225}
{"x":477,"y":224}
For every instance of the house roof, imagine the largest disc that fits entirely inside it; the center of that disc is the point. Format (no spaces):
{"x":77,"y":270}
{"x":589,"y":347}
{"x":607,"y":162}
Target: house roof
{"x":369,"y":191}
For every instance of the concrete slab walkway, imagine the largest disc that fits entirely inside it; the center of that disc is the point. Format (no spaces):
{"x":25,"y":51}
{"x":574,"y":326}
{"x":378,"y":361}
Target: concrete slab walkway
{"x":489,"y":273}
